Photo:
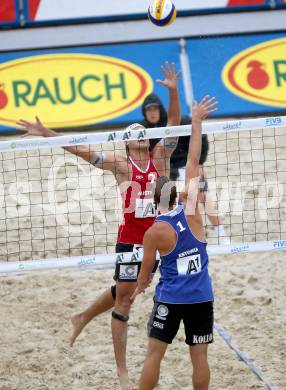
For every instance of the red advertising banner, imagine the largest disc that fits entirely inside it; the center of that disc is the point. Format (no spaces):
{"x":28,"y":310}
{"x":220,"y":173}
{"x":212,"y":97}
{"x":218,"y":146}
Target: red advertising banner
{"x":8,"y":13}
{"x":245,"y":3}
{"x":33,"y":8}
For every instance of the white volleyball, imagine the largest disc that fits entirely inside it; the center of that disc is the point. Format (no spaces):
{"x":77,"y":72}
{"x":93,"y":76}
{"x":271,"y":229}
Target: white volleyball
{"x":162,"y":12}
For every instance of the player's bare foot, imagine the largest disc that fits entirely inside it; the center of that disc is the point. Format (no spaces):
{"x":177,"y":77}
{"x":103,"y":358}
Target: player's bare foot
{"x":125,"y":383}
{"x":78,"y":324}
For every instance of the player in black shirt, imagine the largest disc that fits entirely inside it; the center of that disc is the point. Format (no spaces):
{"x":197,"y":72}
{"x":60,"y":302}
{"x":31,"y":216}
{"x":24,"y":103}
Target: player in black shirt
{"x":155,"y":116}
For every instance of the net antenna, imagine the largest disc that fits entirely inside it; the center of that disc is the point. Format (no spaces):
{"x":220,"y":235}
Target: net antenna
{"x":186,"y":73}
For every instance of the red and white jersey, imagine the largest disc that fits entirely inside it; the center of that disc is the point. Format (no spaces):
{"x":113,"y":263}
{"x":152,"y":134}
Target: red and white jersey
{"x":138,"y":205}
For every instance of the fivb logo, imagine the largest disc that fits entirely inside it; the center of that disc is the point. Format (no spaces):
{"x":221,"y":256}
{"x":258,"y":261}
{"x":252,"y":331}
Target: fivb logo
{"x":202,"y":339}
{"x":270,"y":122}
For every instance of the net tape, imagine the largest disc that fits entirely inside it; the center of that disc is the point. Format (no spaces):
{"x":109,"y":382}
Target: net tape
{"x":156,"y":132}
{"x":107,"y":260}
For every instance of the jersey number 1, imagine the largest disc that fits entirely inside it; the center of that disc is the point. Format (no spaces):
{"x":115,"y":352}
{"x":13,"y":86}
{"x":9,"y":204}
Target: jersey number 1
{"x":181,"y":227}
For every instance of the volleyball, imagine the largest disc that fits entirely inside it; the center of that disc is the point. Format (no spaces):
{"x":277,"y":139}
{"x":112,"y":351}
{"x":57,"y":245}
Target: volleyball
{"x":162,"y":12}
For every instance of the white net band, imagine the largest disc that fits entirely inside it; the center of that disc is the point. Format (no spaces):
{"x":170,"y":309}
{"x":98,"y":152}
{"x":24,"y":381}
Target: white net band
{"x":105,"y":261}
{"x":159,"y":132}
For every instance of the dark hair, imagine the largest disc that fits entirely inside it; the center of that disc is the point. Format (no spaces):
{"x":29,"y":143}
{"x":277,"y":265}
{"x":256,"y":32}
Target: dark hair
{"x":127,"y":150}
{"x":163,"y":119}
{"x":167,"y":197}
{"x":153,"y":99}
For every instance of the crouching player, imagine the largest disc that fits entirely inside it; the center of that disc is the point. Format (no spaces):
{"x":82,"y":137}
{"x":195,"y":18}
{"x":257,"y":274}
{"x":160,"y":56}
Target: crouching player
{"x":184,"y":292}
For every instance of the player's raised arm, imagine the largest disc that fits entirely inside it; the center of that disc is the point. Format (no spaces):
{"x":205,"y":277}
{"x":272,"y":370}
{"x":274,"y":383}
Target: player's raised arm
{"x":171,"y":83}
{"x":199,"y":112}
{"x":148,"y":262}
{"x":166,"y":146}
{"x":106,"y":161}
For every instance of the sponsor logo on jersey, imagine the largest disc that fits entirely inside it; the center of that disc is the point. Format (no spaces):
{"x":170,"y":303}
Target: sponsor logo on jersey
{"x":139,"y":177}
{"x":71,"y":89}
{"x":258,"y":74}
{"x":189,"y":252}
{"x":145,"y":193}
{"x":189,"y":265}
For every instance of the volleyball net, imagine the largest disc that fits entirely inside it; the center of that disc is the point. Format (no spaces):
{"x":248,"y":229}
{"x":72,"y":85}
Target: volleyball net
{"x":57,"y":210}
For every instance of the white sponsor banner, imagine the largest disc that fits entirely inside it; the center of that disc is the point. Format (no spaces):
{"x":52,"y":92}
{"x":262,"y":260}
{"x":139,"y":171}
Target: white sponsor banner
{"x":151,"y":133}
{"x":74,"y":9}
{"x":105,"y":261}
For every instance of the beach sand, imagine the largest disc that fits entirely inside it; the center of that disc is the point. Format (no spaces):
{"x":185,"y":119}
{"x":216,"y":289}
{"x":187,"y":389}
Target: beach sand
{"x":34,"y":319}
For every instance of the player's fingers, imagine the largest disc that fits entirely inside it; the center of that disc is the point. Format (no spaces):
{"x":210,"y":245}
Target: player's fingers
{"x":38,"y":120}
{"x":164,"y":71}
{"x":22,"y":122}
{"x":212,"y":109}
{"x":205,"y":98}
{"x":168,"y":67}
{"x":133,"y":296}
{"x":173,"y":68}
{"x":213,"y":99}
{"x":208,"y":100}
{"x":211,"y":104}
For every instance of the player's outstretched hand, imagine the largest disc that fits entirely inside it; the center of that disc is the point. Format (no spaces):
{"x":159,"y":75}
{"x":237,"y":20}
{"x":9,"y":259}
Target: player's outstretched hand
{"x":205,"y":107}
{"x":36,"y":128}
{"x":171,"y":76}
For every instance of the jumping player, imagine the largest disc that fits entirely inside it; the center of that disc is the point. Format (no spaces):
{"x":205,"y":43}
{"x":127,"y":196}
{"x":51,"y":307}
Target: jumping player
{"x":135,"y":174}
{"x":184,"y":292}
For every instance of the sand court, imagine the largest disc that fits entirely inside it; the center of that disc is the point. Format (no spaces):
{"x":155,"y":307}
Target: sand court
{"x":34,"y":320}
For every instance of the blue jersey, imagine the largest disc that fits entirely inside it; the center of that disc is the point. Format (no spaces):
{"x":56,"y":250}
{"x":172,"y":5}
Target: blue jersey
{"x":184,"y":271}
